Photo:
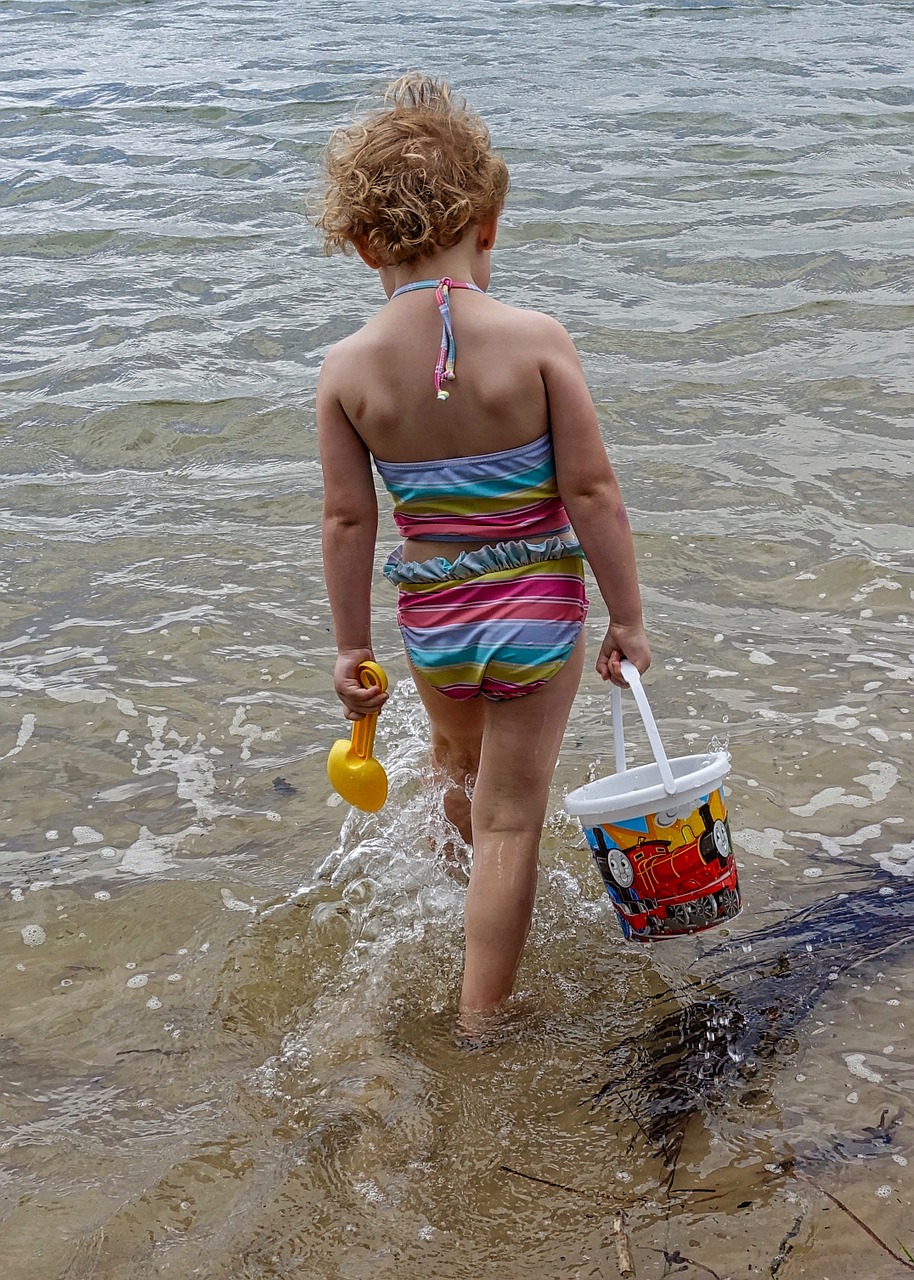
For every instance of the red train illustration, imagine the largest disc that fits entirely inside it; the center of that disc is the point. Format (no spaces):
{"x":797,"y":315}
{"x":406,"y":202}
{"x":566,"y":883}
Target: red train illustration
{"x":678,"y":876}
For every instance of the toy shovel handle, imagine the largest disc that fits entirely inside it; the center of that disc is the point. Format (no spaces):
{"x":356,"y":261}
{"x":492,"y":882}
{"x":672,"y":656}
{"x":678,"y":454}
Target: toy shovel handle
{"x":362,"y":739}
{"x":632,"y":675}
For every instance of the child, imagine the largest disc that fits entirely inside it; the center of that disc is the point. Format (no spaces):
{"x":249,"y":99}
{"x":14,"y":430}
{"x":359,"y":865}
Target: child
{"x":500,"y":484}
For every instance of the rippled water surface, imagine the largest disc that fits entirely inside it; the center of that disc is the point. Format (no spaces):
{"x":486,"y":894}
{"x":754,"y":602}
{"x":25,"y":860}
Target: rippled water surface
{"x":228,"y":1040}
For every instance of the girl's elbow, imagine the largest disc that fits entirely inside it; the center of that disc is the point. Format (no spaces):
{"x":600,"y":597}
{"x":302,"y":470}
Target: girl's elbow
{"x":347,"y":522}
{"x":590,"y":495}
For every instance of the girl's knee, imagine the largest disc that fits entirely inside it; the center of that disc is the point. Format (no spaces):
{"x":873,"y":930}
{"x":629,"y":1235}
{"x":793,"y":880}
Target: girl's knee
{"x":459,"y":760}
{"x":519,"y":802}
{"x":501,"y":818}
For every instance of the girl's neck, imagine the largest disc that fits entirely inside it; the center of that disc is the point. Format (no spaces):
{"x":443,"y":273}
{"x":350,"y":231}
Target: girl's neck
{"x":457,"y":263}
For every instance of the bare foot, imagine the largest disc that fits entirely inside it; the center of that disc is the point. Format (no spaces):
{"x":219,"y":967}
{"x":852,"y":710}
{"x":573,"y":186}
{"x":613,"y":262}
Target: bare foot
{"x":457,"y":860}
{"x":479,"y":1029}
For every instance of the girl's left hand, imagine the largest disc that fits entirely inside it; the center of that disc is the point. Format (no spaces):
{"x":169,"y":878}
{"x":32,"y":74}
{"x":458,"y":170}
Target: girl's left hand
{"x":358,"y":701}
{"x":623,"y":642}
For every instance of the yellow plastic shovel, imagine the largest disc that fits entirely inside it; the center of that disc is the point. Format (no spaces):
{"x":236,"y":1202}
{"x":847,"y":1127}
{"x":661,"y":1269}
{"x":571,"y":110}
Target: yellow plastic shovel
{"x":351,"y":768}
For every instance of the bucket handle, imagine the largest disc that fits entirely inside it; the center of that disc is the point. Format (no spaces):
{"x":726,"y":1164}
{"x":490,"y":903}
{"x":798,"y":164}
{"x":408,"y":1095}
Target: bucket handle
{"x":631,"y":674}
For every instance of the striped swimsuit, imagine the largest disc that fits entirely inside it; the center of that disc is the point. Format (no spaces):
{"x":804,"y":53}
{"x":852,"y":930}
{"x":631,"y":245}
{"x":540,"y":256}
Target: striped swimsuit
{"x":502,"y":620}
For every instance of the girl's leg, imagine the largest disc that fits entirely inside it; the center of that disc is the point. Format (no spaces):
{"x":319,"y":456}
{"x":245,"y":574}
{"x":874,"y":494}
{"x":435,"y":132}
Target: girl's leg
{"x":520,"y":745}
{"x":456,"y":740}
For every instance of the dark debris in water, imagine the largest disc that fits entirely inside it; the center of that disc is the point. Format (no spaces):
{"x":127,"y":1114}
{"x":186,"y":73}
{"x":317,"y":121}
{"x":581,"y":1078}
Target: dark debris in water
{"x":871,"y":1144}
{"x":715,"y":1039}
{"x":284,"y":788}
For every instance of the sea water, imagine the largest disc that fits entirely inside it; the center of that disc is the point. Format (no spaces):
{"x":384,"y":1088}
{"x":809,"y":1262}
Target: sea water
{"x":228,"y":1042}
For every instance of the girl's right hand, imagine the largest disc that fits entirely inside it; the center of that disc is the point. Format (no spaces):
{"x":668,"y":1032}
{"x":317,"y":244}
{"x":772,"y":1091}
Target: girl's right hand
{"x":358,"y":701}
{"x":623,"y":642}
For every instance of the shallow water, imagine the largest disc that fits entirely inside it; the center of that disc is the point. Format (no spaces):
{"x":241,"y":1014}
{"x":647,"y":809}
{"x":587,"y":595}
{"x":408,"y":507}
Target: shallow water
{"x":228,"y":1040}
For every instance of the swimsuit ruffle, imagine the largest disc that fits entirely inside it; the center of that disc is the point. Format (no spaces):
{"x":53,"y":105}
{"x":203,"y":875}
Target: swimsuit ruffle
{"x":470,"y":564}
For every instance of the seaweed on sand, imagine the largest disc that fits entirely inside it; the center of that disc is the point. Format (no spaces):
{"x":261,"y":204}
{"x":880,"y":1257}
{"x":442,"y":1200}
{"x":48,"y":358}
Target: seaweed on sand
{"x":719,"y":1031}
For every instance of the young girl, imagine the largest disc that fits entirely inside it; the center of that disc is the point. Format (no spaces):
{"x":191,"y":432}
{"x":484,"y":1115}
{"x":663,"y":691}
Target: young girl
{"x":480,"y":425}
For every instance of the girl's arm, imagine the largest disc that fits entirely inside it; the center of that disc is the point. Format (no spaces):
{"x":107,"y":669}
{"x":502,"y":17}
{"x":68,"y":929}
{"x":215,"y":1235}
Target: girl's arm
{"x":348,"y":532}
{"x":593,"y":500}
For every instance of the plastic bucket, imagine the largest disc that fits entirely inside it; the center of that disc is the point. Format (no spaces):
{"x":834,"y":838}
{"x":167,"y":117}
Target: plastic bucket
{"x":659,"y":834}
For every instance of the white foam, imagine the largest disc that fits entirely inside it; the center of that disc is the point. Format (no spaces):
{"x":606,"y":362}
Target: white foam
{"x":856,"y":1065}
{"x":87,"y":835}
{"x":898,"y":860}
{"x":885,"y":663}
{"x":249,"y":733}
{"x":837,"y":846}
{"x":33,"y":935}
{"x":841,"y":717}
{"x":193,"y":769}
{"x":876,"y":584}
{"x":26,"y":729}
{"x":138,"y":980}
{"x":190,"y":762}
{"x":235,"y":904}
{"x":370,"y":1191}
{"x":761,"y":659}
{"x":879,"y":781}
{"x":150,"y":855}
{"x":76,"y":693}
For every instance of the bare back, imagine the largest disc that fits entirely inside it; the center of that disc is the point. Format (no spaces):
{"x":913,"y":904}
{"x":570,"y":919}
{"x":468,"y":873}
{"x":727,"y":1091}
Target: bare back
{"x":384,"y":379}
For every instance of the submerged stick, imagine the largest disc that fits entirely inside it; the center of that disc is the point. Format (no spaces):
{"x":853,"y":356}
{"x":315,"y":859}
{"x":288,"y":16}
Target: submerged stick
{"x":620,"y":1241}
{"x":547,"y":1182}
{"x":853,"y":1217}
{"x":622,"y":1246}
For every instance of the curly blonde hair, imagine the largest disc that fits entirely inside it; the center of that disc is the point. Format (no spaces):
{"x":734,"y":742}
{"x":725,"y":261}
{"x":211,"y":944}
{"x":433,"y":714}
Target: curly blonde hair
{"x":410,"y":178}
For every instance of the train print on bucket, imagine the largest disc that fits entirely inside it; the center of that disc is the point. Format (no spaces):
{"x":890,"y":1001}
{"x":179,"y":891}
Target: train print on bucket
{"x":669,"y":872}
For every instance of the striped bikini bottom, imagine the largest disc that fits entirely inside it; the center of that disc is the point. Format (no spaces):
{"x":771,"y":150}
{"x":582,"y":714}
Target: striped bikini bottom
{"x":499,"y":621}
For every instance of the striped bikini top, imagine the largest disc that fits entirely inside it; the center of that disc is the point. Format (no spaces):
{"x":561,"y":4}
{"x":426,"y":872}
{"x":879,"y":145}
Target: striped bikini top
{"x":497,"y":496}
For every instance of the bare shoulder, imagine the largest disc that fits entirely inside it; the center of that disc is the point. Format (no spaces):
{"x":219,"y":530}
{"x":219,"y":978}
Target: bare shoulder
{"x":541,"y":332}
{"x":341,"y":359}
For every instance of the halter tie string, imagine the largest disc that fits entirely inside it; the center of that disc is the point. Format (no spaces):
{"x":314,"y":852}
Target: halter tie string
{"x":447,"y":356}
